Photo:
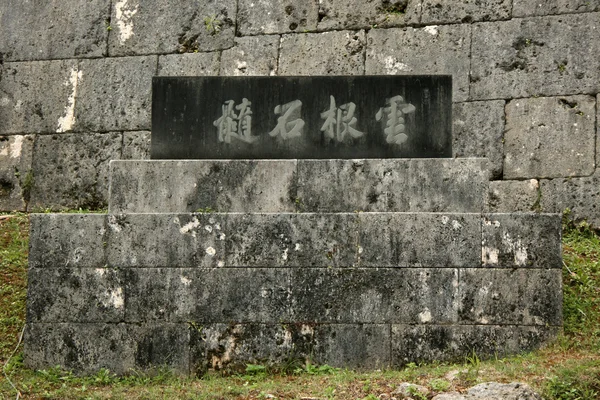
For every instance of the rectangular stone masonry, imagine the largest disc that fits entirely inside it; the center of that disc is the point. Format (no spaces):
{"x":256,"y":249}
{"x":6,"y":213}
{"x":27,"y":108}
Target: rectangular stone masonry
{"x":457,"y":11}
{"x":301,"y":117}
{"x":361,"y":14}
{"x":16,"y":178}
{"x":277,"y":16}
{"x":526,"y":8}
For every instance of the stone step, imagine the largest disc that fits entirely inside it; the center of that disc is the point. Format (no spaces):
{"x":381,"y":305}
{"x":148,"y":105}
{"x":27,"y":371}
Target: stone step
{"x":393,"y":185}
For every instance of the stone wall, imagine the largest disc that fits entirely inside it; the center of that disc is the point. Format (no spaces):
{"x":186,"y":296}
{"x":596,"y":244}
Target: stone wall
{"x":75,"y":82}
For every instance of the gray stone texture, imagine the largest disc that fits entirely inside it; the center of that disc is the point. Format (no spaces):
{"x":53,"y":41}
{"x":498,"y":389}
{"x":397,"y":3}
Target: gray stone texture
{"x":136,"y":146}
{"x":251,"y":56}
{"x":53,"y":29}
{"x":508,"y":391}
{"x":521,"y":240}
{"x":37,"y":97}
{"x":514,"y":196}
{"x":360,"y":14}
{"x":550,"y":137}
{"x":114,"y":94}
{"x":189,"y":64}
{"x":580,"y":195}
{"x":456,"y":11}
{"x":526,"y":8}
{"x":328,"y":53}
{"x":276,"y":16}
{"x":70,"y":171}
{"x":166,"y":26}
{"x":428,"y":50}
{"x":15,"y":171}
{"x":598,"y":132}
{"x":536,"y":56}
{"x":511,"y":296}
{"x":478,"y":129}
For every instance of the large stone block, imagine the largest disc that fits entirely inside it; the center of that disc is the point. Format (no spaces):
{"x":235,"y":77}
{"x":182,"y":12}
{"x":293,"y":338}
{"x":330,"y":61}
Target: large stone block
{"x":158,"y":346}
{"x":276,"y":16}
{"x":526,"y":8}
{"x":536,"y":56}
{"x":252,"y":55}
{"x":188,"y":186}
{"x":71,"y":170}
{"x":519,"y":296}
{"x":38,"y":97}
{"x":70,"y":29}
{"x":521,"y":240}
{"x":67,"y":240}
{"x":453,"y":11}
{"x":478,"y":129}
{"x":374,"y":295}
{"x":431,"y":240}
{"x":429,"y":50}
{"x":80,"y":295}
{"x":514,"y":196}
{"x":189,"y":64}
{"x":550,"y":137}
{"x":16,"y":177}
{"x":416,"y":185}
{"x":328,"y":53}
{"x":365,"y":14}
{"x":136,"y":146}
{"x":114,"y":94}
{"x":167,"y":26}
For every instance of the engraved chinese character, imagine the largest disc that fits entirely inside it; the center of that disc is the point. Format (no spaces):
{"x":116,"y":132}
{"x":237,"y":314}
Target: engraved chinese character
{"x":234,"y":125}
{"x":287,"y":127}
{"x":340,"y":121}
{"x":393,"y":117}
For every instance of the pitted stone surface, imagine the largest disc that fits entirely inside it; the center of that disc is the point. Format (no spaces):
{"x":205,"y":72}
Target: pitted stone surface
{"x":302,"y":54}
{"x":167,"y":26}
{"x":255,"y":55}
{"x":361,"y":14}
{"x":38,"y":97}
{"x":536,"y":56}
{"x":188,"y":64}
{"x":428,"y":50}
{"x":70,"y":29}
{"x":136,"y":145}
{"x":16,"y":177}
{"x":276,"y":16}
{"x":70,"y":171}
{"x":455,"y":11}
{"x":514,"y":196}
{"x":550,"y":137}
{"x":478,"y":130}
{"x":114,"y":94}
{"x":526,"y":8}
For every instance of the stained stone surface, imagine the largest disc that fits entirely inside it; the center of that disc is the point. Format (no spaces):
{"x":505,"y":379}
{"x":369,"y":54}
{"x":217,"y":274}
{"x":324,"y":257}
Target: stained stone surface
{"x":70,"y":29}
{"x":16,"y":152}
{"x":543,"y":56}
{"x":429,"y":50}
{"x":494,"y":390}
{"x":478,"y":131}
{"x":455,"y":11}
{"x":276,"y":16}
{"x":37,"y":97}
{"x":166,"y":26}
{"x":136,"y":146}
{"x":525,"y":8}
{"x":253,"y":55}
{"x":360,"y":14}
{"x":514,"y":196}
{"x":189,"y":64}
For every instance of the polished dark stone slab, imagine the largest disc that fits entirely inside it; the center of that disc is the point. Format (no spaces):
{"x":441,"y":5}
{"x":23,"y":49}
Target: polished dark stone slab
{"x":301,"y":117}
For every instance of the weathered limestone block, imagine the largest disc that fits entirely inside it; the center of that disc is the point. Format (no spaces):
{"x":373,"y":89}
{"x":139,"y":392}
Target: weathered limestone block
{"x":276,"y":16}
{"x":598,"y":132}
{"x":521,"y":240}
{"x":478,"y":129}
{"x":80,"y":295}
{"x":495,"y":390}
{"x":189,"y":64}
{"x":549,"y":137}
{"x":136,"y":146}
{"x":429,"y":50}
{"x":536,"y":56}
{"x":16,"y":177}
{"x":38,"y":97}
{"x":514,"y":196}
{"x":167,"y":26}
{"x":511,"y":296}
{"x":328,"y":53}
{"x":70,"y":29}
{"x":411,"y":185}
{"x":67,"y":241}
{"x":188,"y":186}
{"x":526,"y":8}
{"x":453,"y":11}
{"x":114,"y":94}
{"x":71,"y":170}
{"x":419,"y":240}
{"x":253,"y":55}
{"x":361,"y":14}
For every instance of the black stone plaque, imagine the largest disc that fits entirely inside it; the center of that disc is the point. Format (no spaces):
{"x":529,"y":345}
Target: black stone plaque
{"x":301,"y":117}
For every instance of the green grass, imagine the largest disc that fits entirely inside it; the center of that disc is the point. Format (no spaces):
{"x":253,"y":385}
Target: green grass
{"x":567,"y":369}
